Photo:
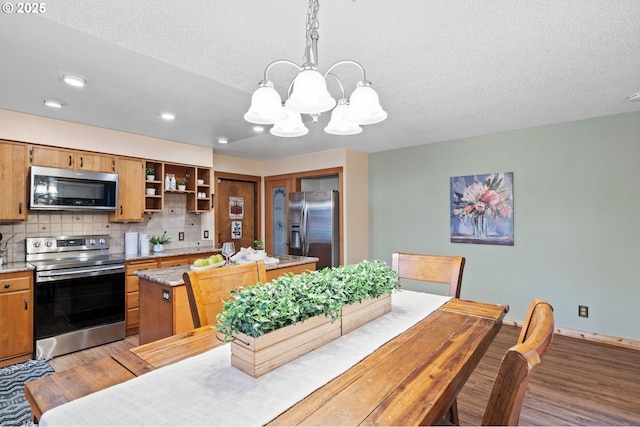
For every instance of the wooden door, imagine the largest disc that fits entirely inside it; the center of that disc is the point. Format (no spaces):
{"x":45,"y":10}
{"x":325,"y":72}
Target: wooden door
{"x":95,"y":162}
{"x":13,"y":172}
{"x":52,"y":157}
{"x":16,"y":315}
{"x":237,"y":209}
{"x":130,"y":190}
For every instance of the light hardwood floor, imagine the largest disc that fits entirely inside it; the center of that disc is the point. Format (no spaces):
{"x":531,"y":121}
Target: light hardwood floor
{"x":578,"y":383}
{"x":62,"y":363}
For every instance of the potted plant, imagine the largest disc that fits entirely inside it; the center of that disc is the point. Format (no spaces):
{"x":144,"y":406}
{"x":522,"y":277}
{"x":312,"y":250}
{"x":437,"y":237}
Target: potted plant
{"x":182,"y":183}
{"x":274,"y":323}
{"x":258,"y":245}
{"x":158,"y":242}
{"x":150,"y":172}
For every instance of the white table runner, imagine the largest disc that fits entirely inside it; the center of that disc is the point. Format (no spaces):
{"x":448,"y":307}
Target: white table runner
{"x":207,"y":390}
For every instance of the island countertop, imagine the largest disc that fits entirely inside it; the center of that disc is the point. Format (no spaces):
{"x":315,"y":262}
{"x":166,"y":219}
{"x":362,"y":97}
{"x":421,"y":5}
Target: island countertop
{"x":172,"y":276}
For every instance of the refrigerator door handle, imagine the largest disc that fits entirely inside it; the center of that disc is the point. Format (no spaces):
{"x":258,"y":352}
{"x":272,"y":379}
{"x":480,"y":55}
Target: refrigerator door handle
{"x":303,"y":230}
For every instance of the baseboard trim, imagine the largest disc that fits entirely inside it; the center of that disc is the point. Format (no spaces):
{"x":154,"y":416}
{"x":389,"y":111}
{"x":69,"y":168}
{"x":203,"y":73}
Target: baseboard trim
{"x":588,"y":336}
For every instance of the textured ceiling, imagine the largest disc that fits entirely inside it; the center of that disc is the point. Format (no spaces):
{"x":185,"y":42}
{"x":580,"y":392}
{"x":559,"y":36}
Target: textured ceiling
{"x":443,"y":69}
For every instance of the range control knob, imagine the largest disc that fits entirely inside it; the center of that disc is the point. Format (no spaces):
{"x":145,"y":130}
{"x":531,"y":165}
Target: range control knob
{"x":36,"y":244}
{"x":92,"y":242}
{"x":102,"y":241}
{"x":48,"y":243}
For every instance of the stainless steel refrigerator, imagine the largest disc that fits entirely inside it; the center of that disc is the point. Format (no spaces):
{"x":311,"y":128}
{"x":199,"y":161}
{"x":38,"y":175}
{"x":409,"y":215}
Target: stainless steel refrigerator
{"x":314,"y":228}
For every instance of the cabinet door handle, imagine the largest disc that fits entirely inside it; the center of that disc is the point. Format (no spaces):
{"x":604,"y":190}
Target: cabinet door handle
{"x":81,"y":161}
{"x":26,"y":303}
{"x":20,"y":208}
{"x":120,"y":209}
{"x":7,"y":286}
{"x":70,"y":160}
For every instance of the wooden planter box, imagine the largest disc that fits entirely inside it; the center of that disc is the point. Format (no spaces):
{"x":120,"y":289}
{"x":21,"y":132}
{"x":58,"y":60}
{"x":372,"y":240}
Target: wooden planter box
{"x":355,"y":315}
{"x":257,"y":356}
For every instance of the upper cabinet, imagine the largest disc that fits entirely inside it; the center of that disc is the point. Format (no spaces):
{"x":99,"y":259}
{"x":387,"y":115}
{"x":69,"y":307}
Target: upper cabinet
{"x":71,"y":159}
{"x":13,"y":172}
{"x":197,"y":185}
{"x":153,"y":196}
{"x":200,"y":199}
{"x":131,"y":186}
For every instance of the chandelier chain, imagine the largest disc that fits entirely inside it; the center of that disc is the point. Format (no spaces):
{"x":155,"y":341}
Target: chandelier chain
{"x":312,"y":24}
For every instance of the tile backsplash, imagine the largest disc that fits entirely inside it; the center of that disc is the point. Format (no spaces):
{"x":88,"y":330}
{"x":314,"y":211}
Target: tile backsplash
{"x":173,"y":220}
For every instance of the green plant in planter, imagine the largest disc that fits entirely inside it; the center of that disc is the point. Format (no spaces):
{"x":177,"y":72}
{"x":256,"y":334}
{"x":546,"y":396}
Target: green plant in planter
{"x":258,"y":244}
{"x":150,"y":171}
{"x":289,"y":299}
{"x":159,"y":240}
{"x":183,"y":180}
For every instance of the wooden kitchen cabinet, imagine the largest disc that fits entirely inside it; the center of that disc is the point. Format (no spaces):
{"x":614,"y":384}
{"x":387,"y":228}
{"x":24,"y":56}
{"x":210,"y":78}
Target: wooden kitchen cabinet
{"x":165,"y":309}
{"x":13,"y":170}
{"x":200,"y":199}
{"x":132,"y":315}
{"x":132,"y":318}
{"x":130,"y":190}
{"x":71,"y":159}
{"x":154,"y":202}
{"x":16,"y":317}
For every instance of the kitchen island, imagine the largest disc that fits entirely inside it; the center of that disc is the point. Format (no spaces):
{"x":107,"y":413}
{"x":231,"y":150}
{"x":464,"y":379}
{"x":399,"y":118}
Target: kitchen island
{"x":164,"y":305}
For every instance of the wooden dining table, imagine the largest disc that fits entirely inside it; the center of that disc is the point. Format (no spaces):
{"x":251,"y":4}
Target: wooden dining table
{"x":411,"y":379}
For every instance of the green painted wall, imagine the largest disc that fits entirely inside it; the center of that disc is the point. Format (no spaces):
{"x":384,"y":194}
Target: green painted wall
{"x":576,"y":217}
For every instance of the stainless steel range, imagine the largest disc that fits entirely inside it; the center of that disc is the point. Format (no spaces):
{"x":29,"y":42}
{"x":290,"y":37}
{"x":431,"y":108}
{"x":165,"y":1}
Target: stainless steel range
{"x":79,"y":293}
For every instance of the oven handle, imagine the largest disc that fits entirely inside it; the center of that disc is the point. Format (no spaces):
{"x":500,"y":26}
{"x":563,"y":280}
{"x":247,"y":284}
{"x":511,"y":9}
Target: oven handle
{"x":80,"y":273}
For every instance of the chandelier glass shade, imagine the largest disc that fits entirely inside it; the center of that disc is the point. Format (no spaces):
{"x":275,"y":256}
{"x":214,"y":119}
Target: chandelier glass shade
{"x":308,"y":94}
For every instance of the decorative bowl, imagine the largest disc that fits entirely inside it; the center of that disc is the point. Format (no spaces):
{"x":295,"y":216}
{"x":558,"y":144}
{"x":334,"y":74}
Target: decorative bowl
{"x":208,"y":267}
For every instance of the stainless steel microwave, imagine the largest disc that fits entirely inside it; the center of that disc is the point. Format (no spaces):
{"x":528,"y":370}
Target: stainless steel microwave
{"x":67,"y":189}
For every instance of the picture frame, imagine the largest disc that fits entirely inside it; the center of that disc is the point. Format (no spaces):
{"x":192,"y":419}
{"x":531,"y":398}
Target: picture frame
{"x":481,"y":209}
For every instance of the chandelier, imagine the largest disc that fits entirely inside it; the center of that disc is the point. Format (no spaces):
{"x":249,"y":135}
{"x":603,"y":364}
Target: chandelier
{"x":308,"y":94}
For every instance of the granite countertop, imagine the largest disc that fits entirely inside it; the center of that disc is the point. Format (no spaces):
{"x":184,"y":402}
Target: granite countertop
{"x":172,"y":252}
{"x":172,"y":276}
{"x":15,"y":267}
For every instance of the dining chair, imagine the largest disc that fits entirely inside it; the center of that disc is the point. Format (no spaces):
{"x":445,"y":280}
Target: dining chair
{"x":207,"y":289}
{"x":518,"y":365}
{"x":437,"y":269}
{"x":430,"y":268}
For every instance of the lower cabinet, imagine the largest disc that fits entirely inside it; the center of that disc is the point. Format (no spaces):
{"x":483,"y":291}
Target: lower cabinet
{"x":166,"y":309}
{"x":132,"y":316}
{"x":16,"y":317}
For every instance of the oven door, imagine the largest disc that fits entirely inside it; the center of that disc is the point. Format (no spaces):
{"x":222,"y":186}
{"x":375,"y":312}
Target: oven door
{"x":73,"y":313}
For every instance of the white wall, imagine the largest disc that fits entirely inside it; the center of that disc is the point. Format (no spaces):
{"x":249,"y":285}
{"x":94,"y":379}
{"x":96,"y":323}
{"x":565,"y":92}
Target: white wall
{"x":355,"y":193}
{"x":41,"y":130}
{"x":576,"y":205}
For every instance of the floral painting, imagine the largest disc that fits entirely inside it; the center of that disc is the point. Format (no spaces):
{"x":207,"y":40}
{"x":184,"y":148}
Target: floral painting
{"x":481,"y":209}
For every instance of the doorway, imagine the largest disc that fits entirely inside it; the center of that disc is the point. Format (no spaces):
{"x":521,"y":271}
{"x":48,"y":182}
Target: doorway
{"x":276,"y":192}
{"x":237,"y":209}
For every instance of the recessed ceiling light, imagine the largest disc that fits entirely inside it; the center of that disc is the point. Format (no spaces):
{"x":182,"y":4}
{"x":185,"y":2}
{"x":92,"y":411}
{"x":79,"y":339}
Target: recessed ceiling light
{"x":635,"y":97}
{"x":53,"y":103}
{"x":168,"y":116}
{"x":222,"y":140}
{"x":72,"y":80}
{"x":258,"y":129}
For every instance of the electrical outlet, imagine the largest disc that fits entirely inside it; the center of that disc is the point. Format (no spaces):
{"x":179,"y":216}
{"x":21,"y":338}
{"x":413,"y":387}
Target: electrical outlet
{"x":166,"y":297}
{"x":181,"y":235}
{"x":583,"y":311}
{"x":206,"y":234}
